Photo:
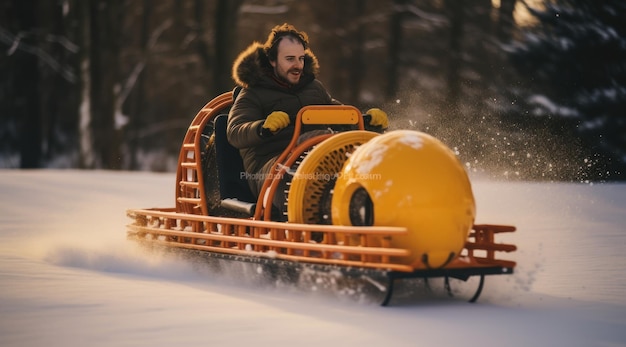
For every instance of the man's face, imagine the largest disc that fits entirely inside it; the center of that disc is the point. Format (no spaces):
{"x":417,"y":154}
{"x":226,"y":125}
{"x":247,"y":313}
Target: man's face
{"x":289,"y":60}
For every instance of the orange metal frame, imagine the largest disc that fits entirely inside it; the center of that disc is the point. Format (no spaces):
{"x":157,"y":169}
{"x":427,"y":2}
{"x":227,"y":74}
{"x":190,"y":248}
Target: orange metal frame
{"x":189,"y":226}
{"x":291,"y":241}
{"x":308,"y":115}
{"x":190,"y":195}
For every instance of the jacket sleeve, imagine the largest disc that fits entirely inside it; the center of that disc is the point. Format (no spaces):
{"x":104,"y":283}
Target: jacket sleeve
{"x":244,"y":121}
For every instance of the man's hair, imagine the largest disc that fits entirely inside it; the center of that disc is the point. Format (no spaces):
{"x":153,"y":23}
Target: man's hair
{"x":278,"y":33}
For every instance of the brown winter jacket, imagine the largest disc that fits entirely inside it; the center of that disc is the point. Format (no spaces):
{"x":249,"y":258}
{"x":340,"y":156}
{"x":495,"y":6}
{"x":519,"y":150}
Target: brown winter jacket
{"x":261,"y":95}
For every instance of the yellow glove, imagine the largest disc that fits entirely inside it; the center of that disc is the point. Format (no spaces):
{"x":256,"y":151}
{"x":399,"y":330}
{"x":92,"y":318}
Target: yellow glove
{"x":379,"y":117}
{"x":276,"y":120}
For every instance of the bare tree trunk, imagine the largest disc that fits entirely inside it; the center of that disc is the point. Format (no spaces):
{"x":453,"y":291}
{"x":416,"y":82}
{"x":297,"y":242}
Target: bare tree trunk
{"x":395,"y":45}
{"x":357,"y":66}
{"x":27,"y":101}
{"x":104,"y":77}
{"x":225,"y":34}
{"x":505,"y":19}
{"x":58,"y":86}
{"x":87,"y":158}
{"x":201,"y":46}
{"x":138,"y":102}
{"x":456,"y":9}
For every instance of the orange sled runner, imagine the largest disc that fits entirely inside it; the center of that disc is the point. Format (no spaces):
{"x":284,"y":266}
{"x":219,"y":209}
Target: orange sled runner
{"x":372,"y":207}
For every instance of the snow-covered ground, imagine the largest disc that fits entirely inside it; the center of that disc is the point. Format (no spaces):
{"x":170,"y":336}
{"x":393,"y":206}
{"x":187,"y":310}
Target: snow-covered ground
{"x":69,"y":277}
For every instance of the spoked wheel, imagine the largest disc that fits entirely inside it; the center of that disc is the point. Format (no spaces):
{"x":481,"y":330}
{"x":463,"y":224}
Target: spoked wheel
{"x":311,"y":188}
{"x":411,"y":287}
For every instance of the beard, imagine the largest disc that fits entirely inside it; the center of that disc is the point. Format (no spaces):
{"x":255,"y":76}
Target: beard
{"x":286,"y":76}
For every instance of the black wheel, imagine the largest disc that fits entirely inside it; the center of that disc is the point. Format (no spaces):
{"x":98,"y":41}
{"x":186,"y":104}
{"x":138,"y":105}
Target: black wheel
{"x":469,"y":288}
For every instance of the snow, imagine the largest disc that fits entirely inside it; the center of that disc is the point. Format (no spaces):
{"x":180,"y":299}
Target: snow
{"x":412,"y":140}
{"x":69,"y":277}
{"x":544,"y":104}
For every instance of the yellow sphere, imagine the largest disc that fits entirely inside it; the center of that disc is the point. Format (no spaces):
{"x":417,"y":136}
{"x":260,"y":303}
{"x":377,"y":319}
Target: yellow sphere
{"x":409,"y":179}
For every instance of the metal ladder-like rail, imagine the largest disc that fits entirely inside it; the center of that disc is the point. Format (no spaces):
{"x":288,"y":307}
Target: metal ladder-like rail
{"x":190,"y":194}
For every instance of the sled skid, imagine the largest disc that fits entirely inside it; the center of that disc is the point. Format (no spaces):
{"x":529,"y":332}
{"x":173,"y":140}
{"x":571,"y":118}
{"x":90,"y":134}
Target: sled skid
{"x":289,"y":243}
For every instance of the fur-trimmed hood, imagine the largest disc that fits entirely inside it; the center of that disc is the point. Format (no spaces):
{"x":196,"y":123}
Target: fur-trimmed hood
{"x":252,"y":66}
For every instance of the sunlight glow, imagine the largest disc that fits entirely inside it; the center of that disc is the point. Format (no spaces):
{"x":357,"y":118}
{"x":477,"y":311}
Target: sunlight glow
{"x":521,"y":15}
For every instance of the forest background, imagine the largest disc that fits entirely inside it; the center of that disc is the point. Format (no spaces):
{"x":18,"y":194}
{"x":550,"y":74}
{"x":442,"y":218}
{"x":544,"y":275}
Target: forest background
{"x":530,"y":90}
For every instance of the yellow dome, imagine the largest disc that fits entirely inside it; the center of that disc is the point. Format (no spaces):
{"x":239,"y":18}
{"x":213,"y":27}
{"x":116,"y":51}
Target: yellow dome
{"x":409,"y":179}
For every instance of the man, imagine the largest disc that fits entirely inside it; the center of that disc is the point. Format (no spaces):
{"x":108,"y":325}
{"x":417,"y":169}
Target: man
{"x":278,"y":78}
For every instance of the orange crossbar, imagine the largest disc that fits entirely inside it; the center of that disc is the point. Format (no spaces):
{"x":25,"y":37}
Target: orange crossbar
{"x":292,"y":241}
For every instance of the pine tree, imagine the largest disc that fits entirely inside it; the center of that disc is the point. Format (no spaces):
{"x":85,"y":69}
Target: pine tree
{"x":576,"y":57}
